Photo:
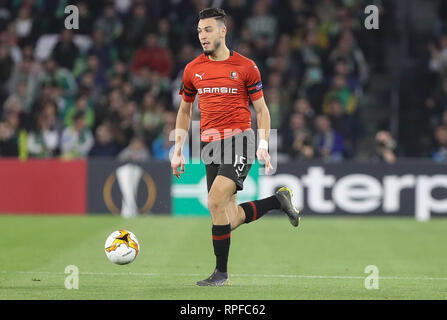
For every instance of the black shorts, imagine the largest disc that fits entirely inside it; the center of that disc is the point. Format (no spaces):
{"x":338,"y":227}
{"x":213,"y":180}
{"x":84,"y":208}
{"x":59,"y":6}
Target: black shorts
{"x":231,"y":157}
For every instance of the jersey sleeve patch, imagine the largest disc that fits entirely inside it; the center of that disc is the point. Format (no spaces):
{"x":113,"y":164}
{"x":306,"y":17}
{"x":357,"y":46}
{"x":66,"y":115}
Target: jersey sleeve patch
{"x":254,"y":88}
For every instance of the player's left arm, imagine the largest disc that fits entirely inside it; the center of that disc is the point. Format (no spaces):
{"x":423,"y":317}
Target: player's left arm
{"x":254,"y":87}
{"x":263,"y":117}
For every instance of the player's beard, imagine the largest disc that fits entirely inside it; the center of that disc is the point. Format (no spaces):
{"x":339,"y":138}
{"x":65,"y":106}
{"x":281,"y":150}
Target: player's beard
{"x":216,"y":46}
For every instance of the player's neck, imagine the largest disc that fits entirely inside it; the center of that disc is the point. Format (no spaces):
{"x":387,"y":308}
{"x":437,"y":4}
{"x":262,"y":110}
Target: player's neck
{"x":223,"y":53}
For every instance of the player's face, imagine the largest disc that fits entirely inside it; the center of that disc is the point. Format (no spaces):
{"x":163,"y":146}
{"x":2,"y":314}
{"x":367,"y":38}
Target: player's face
{"x":211,"y":34}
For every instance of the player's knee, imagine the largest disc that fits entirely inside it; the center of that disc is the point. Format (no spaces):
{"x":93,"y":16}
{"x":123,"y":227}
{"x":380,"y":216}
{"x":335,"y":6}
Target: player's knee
{"x":215,"y":204}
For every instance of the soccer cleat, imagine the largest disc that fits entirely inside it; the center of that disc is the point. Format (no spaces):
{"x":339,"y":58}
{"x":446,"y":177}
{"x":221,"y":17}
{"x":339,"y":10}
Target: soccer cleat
{"x":284,"y":196}
{"x":217,"y":279}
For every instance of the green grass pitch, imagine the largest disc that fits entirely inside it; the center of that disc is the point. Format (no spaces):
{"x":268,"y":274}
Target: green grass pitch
{"x":325,"y":258}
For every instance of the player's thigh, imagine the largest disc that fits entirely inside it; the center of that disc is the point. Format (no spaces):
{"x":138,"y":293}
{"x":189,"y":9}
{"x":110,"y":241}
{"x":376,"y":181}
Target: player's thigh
{"x":211,"y":174}
{"x":220,"y":194}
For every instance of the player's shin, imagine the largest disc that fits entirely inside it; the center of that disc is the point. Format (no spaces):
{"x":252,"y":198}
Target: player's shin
{"x":256,"y":209}
{"x":221,"y":243}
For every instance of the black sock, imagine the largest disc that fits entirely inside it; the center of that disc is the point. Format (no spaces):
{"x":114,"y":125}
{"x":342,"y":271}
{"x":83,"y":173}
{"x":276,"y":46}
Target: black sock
{"x":221,"y":244}
{"x":256,"y":209}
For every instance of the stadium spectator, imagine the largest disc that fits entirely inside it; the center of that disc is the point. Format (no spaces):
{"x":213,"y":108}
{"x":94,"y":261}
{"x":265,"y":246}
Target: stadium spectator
{"x":326,"y":11}
{"x":162,"y":145}
{"x":110,"y":23}
{"x":302,"y":106}
{"x":237,"y":8}
{"x":105,"y":145}
{"x":119,"y":68}
{"x":134,"y":28}
{"x":275,"y":82}
{"x":166,"y":38}
{"x":60,"y":77}
{"x":341,"y":92}
{"x":25,"y":26}
{"x":50,"y":91}
{"x":328,"y":144}
{"x":8,"y":38}
{"x":87,"y":87}
{"x":95,"y":67}
{"x":105,"y":53}
{"x":348,"y":125}
{"x":43,"y":141}
{"x":50,"y":111}
{"x":444,"y":118}
{"x":29,"y":71}
{"x":186,"y":54}
{"x":262,"y":23}
{"x":291,"y":73}
{"x":5,"y":14}
{"x":293,"y":16}
{"x":385,"y":146}
{"x":151,"y":118}
{"x":108,"y":109}
{"x":23,"y":97}
{"x":65,"y":51}
{"x":77,"y":139}
{"x":8,"y":141}
{"x":130,"y":119}
{"x":439,"y":154}
{"x":352,"y":55}
{"x":438,"y":56}
{"x":273,"y":99}
{"x":128,"y":91}
{"x":154,"y":56}
{"x":122,"y":6}
{"x":13,"y":110}
{"x":297,"y":138}
{"x":6,"y":70}
{"x":341,"y":68}
{"x":312,"y":64}
{"x":81,"y":104}
{"x":313,"y":26}
{"x":136,"y":151}
{"x":86,"y":19}
{"x":436,"y":105}
{"x":115,"y":81}
{"x":13,"y":116}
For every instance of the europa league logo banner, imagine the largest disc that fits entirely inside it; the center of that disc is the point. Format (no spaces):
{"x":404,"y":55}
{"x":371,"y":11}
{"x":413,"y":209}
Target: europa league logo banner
{"x":128,"y":189}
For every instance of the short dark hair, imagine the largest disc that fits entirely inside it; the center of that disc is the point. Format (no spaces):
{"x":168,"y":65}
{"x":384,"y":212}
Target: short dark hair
{"x":216,"y":13}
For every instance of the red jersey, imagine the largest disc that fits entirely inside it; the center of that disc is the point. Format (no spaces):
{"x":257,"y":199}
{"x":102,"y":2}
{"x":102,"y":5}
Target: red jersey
{"x":224,"y":88}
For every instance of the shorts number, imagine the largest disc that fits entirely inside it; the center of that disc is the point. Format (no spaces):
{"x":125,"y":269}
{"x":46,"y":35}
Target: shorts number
{"x":239,"y":164}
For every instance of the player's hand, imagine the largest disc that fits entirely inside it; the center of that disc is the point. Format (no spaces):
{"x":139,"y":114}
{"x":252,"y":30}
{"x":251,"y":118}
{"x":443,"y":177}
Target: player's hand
{"x":263,"y":155}
{"x":178,"y":161}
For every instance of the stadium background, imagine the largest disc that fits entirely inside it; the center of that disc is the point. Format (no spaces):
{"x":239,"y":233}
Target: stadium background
{"x":361,"y":139}
{"x":107,"y":93}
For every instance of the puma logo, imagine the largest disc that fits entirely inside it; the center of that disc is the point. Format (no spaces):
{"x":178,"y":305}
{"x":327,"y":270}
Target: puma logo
{"x":199,"y":75}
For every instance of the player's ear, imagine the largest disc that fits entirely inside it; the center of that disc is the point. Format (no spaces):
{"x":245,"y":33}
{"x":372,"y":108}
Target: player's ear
{"x":223,"y":31}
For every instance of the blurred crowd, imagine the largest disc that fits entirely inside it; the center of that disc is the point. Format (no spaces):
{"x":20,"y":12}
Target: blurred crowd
{"x":110,"y":88}
{"x":436,"y":101}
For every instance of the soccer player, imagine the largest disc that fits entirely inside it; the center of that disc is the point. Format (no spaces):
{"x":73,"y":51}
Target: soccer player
{"x":225,"y":80}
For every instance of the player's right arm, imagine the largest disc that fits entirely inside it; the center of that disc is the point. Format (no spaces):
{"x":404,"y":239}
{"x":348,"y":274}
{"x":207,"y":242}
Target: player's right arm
{"x":188,"y":92}
{"x":181,"y":132}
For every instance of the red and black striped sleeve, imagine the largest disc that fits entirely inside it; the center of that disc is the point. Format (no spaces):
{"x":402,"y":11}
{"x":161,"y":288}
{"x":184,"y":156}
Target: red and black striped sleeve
{"x":187,"y":90}
{"x":253,"y":82}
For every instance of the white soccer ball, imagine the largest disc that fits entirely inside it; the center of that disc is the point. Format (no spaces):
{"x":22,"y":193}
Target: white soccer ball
{"x":122,"y":247}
